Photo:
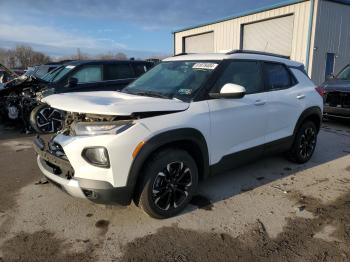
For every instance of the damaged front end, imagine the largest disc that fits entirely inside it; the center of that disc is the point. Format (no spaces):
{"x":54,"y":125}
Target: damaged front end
{"x":337,"y":104}
{"x":19,"y":97}
{"x":82,"y":166}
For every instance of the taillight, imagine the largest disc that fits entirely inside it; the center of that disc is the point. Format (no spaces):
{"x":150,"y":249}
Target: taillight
{"x":321,"y":90}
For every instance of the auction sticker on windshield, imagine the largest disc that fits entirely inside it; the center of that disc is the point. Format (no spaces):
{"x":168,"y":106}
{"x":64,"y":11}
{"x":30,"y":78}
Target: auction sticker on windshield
{"x":205,"y":66}
{"x":70,"y":66}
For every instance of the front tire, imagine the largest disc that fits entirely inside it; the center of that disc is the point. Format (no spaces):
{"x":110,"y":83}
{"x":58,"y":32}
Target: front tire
{"x":46,"y":120}
{"x":304,"y":144}
{"x":170,"y":180}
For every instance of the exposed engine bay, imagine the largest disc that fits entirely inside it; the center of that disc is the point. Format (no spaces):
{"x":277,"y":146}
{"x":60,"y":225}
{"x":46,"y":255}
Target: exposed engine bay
{"x":19,"y":97}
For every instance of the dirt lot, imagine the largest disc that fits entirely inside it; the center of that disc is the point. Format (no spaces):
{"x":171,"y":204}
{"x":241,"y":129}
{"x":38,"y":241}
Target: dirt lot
{"x":270,"y":210}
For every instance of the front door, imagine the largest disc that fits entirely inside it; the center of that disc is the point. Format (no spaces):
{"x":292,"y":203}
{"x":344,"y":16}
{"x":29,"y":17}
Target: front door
{"x":238,"y":124}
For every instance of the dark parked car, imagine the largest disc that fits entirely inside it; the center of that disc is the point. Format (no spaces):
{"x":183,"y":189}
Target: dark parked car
{"x":23,"y":95}
{"x":337,"y":95}
{"x":41,"y":70}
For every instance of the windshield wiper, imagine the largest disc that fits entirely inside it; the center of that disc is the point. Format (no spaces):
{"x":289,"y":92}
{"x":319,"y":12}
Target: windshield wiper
{"x":150,"y":93}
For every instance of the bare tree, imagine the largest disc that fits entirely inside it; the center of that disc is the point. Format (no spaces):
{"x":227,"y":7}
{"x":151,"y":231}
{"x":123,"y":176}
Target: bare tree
{"x":24,"y":55}
{"x":3,"y":56}
{"x":11,"y":60}
{"x":40,"y":58}
{"x":107,"y":56}
{"x":120,"y":56}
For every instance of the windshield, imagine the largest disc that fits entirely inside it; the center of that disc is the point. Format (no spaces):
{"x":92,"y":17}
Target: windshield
{"x":42,"y":71}
{"x":56,"y":74}
{"x":345,"y":74}
{"x":176,"y":79}
{"x":31,"y":71}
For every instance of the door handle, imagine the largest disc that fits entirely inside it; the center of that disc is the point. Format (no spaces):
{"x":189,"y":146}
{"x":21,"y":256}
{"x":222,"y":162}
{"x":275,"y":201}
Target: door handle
{"x":259,"y":103}
{"x":300,"y":96}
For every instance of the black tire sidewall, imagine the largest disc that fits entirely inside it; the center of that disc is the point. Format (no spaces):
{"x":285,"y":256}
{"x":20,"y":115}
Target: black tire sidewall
{"x":296,"y":147}
{"x":151,"y":171}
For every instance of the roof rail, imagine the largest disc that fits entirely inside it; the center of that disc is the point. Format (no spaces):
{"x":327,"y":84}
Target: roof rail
{"x":240,"y":51}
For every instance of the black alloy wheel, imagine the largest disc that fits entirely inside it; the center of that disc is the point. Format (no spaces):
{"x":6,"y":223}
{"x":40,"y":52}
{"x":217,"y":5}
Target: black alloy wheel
{"x":170,"y":178}
{"x":170,"y":188}
{"x":307,"y":143}
{"x":304,"y":143}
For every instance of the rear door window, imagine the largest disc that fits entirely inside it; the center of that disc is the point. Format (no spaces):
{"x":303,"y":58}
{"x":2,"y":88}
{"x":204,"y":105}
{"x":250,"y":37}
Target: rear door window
{"x":88,"y":74}
{"x":277,"y":76}
{"x":118,"y":71}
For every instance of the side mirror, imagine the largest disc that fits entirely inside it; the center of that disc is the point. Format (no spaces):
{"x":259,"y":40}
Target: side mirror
{"x":72,"y":82}
{"x":230,"y":91}
{"x":330,"y":77}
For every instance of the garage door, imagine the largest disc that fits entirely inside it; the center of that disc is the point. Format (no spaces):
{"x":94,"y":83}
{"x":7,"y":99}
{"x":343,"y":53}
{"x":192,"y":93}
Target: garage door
{"x":203,"y":43}
{"x":274,"y":36}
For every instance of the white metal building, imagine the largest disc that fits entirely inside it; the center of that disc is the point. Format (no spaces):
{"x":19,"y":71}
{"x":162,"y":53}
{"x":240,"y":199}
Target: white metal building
{"x":314,"y":32}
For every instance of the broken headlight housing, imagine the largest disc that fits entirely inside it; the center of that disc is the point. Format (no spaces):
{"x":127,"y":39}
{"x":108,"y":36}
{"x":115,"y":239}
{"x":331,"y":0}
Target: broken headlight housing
{"x":100,"y":128}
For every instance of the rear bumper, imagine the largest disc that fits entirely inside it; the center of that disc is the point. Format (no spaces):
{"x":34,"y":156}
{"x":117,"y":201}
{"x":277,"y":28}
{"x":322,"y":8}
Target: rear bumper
{"x":339,"y":112}
{"x":94,"y":190}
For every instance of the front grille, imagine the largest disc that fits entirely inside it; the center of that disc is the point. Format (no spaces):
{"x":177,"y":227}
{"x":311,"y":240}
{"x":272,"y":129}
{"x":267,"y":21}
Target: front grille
{"x":338,"y":99}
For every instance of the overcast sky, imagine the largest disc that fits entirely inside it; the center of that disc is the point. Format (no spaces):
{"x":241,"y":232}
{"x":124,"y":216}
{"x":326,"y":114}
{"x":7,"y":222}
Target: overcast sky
{"x":136,"y":27}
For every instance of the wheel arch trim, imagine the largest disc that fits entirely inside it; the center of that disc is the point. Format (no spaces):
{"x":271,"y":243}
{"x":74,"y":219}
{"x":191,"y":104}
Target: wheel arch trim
{"x":160,"y":140}
{"x":314,"y":111}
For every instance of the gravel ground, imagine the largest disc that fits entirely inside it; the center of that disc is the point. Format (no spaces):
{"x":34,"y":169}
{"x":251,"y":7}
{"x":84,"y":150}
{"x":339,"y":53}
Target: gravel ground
{"x":270,"y":210}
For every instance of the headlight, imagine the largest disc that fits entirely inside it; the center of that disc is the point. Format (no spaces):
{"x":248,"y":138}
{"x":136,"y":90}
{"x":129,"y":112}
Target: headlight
{"x":101,"y":128}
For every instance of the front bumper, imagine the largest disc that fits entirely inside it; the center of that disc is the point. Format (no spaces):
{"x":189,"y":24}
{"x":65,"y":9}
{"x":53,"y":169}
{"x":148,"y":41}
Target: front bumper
{"x":69,"y":186}
{"x":60,"y":173}
{"x":338,"y":112}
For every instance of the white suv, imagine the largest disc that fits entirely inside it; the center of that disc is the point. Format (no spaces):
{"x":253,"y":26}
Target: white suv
{"x":189,"y":117}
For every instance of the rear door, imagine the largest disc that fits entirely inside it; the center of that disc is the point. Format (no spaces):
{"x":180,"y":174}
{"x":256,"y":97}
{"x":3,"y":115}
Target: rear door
{"x":117,"y":75}
{"x":239,"y":124}
{"x":285,"y":100}
{"x":89,"y":77}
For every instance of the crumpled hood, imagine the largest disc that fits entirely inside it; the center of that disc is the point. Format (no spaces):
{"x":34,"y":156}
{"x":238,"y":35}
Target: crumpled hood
{"x":112,"y":103}
{"x":19,"y":83}
{"x":337,"y":85}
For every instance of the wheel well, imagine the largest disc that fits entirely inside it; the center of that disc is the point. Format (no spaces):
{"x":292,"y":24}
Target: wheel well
{"x":315,"y":119}
{"x":189,"y":146}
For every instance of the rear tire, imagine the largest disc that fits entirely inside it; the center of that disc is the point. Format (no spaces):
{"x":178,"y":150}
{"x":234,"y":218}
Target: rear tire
{"x":304,"y":144}
{"x":170,"y":180}
{"x":46,"y":120}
